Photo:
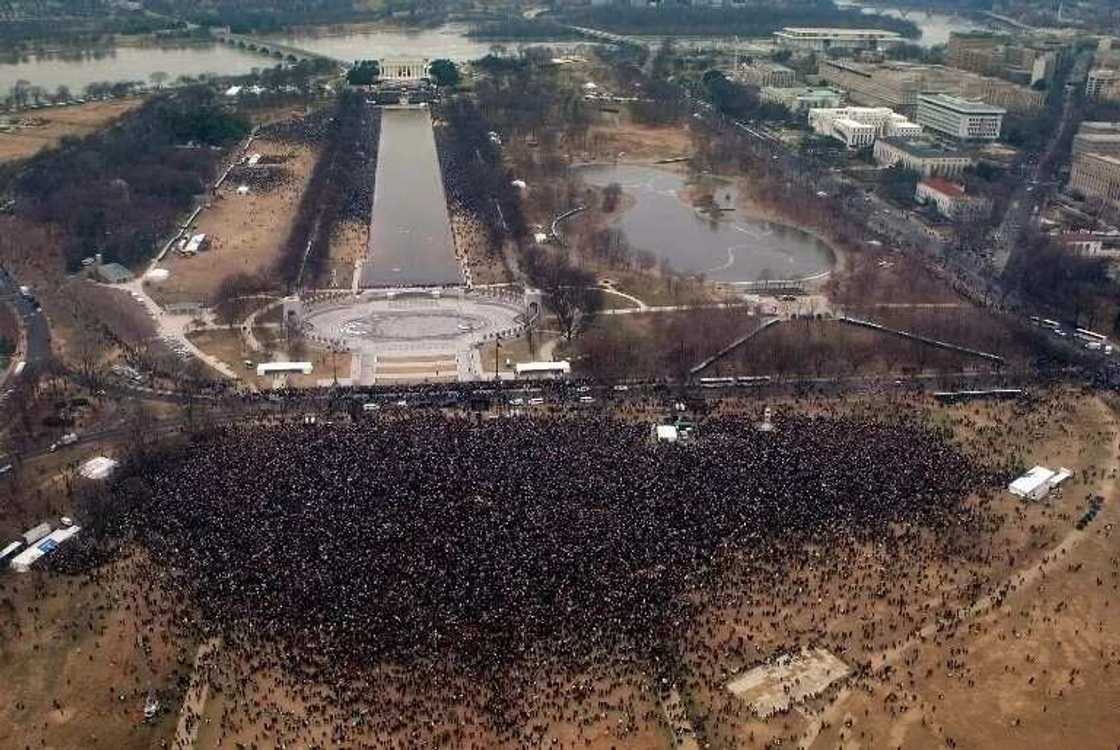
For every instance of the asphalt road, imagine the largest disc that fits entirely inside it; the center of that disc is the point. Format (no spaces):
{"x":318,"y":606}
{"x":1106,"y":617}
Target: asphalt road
{"x":34,"y":323}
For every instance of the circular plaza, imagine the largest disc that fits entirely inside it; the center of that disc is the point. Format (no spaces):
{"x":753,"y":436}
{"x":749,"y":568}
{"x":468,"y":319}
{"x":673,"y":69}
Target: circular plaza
{"x":413,"y":333}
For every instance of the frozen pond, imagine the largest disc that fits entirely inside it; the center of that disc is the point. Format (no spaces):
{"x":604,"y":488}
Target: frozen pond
{"x":410,"y":240}
{"x":729,"y":249}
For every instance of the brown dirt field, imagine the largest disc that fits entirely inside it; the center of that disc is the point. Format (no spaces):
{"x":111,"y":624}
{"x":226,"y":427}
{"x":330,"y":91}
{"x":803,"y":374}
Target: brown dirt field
{"x":47,"y":127}
{"x":829,"y":348}
{"x":78,"y":661}
{"x":638,"y":142}
{"x":515,"y":350}
{"x":247,"y":231}
{"x":229,"y":347}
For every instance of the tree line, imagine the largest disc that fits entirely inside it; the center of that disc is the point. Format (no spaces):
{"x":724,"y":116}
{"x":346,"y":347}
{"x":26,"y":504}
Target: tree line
{"x":474,"y":174}
{"x":120,"y":191}
{"x":341,"y":187}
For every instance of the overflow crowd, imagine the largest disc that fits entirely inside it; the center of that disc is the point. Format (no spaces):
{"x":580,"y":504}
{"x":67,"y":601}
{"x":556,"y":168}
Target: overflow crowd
{"x":486,"y":548}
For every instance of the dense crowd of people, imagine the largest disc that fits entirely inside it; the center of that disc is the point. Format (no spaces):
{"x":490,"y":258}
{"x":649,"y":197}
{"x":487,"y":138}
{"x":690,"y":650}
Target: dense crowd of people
{"x":483,"y":543}
{"x":471,"y":582}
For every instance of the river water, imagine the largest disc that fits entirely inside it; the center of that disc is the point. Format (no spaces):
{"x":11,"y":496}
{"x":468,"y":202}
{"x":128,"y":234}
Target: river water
{"x":935,"y":27}
{"x":347,"y":43}
{"x":127,"y":63}
{"x":731,"y":249}
{"x":450,"y":41}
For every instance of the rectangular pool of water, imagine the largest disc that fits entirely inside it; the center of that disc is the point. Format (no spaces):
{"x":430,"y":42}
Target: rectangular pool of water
{"x":410,"y":241}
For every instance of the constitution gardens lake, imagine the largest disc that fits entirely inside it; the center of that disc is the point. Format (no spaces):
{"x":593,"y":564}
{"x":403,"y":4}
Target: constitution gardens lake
{"x":729,"y":249}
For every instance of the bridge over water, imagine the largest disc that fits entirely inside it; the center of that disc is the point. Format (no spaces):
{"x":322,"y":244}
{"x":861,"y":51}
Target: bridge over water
{"x":277,"y":50}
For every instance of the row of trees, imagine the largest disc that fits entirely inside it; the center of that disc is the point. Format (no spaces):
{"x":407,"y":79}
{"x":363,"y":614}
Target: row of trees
{"x":739,"y":101}
{"x":247,"y":16}
{"x":118,"y":192}
{"x":97,"y":27}
{"x":1077,"y":287}
{"x":341,"y":187}
{"x":474,"y":174}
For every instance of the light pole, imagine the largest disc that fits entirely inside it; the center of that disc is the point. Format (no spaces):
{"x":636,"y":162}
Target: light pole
{"x":497,"y":348}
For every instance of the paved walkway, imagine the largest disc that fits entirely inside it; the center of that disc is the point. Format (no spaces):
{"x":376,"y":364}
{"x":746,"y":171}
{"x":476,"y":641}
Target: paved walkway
{"x":174,"y":327}
{"x":194,"y":702}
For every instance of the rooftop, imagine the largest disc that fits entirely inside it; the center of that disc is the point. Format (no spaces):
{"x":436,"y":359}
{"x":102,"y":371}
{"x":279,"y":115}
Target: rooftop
{"x":964,"y":106}
{"x":114,"y":273}
{"x":1111,"y":160}
{"x":845,"y":32}
{"x":921,"y":149}
{"x":1098,"y":128}
{"x":944,"y":186}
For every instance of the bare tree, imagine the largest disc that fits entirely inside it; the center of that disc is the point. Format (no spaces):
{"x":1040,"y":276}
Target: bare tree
{"x":569,"y":292}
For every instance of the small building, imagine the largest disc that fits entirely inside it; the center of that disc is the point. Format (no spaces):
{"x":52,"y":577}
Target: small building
{"x":950,"y":199}
{"x":543,"y":370}
{"x":284,"y":368}
{"x":196,"y":244}
{"x":35,"y":533}
{"x":112,"y":273}
{"x":1038,"y":482}
{"x":666,"y":433}
{"x":802,"y":98}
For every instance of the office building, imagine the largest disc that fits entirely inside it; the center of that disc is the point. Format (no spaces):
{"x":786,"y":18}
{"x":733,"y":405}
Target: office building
{"x":1097,"y":138}
{"x":858,"y":127}
{"x":897,"y":85}
{"x":1096,"y":176}
{"x":921,"y":156}
{"x":766,"y":74}
{"x":802,"y":98}
{"x":960,"y":119}
{"x":1103,"y":83}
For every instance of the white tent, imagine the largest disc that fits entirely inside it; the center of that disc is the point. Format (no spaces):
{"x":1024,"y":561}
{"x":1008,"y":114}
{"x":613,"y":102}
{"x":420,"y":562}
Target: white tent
{"x":22,"y":562}
{"x":1034,"y":485}
{"x":666,"y":433}
{"x":282,"y":368}
{"x":97,"y":467}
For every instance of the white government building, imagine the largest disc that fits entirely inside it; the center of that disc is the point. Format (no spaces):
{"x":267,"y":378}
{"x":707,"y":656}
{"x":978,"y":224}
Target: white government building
{"x":858,"y":127}
{"x":820,"y":39}
{"x":961,"y":119}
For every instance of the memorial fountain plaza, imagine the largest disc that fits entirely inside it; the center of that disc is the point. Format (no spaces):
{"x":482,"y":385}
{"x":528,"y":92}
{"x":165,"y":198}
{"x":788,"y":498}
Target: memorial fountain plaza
{"x":410,"y":335}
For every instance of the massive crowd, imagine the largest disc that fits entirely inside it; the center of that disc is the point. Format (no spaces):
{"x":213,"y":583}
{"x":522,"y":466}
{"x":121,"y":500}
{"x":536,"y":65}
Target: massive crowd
{"x":482,"y":546}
